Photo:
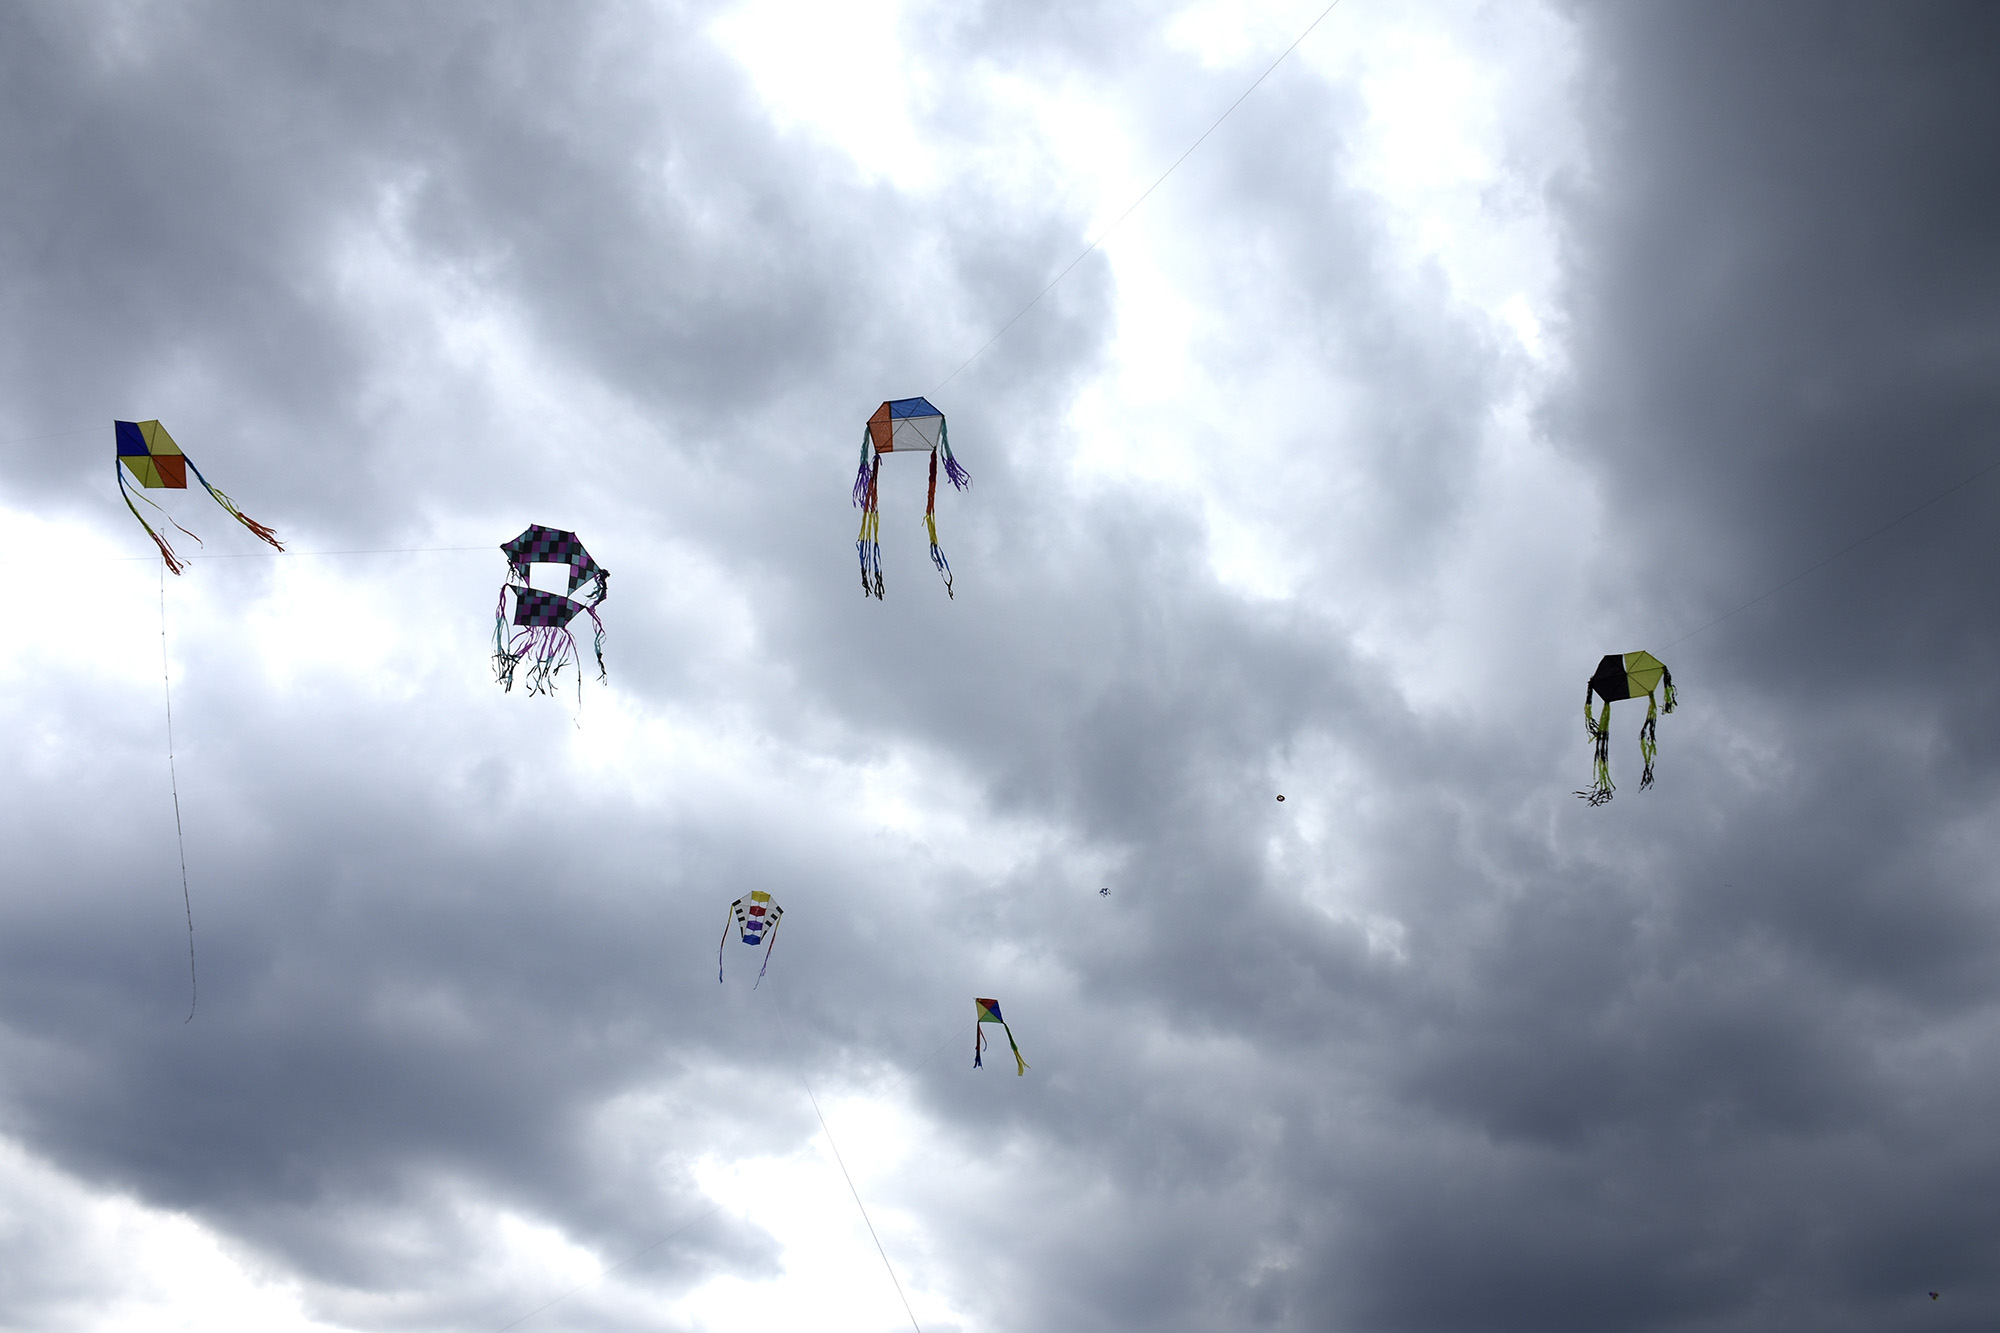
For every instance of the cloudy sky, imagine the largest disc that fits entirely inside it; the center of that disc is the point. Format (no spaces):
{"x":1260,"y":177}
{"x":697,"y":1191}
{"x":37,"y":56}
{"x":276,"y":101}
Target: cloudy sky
{"x":1482,"y":340}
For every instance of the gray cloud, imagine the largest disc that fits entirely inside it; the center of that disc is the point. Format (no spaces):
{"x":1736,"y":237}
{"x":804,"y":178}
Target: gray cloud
{"x":1430,"y":1046}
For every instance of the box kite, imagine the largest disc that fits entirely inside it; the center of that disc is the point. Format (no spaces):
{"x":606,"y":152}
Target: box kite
{"x":901,"y":426}
{"x":157,"y":463}
{"x":988,"y":1011}
{"x":756,"y":917}
{"x":541,"y":619}
{"x":1624,"y":676}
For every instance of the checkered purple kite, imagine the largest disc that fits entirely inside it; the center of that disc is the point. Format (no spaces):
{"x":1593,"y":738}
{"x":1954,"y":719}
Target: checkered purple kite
{"x":541,"y":619}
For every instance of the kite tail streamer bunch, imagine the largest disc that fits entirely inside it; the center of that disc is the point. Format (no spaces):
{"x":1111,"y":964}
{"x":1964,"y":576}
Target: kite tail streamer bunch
{"x":504,"y":659}
{"x":1667,"y":680}
{"x":958,"y":476}
{"x":257,"y":529}
{"x":868,"y":545}
{"x":1599,"y":731}
{"x":979,"y":1044}
{"x":1649,"y":741}
{"x":930,"y":526}
{"x":174,"y":563}
{"x":549,"y":648}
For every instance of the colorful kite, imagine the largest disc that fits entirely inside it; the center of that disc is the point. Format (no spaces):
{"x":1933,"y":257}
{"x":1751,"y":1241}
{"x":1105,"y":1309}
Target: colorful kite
{"x":1624,"y":676}
{"x":151,"y":456}
{"x":988,"y":1011}
{"x":756,"y":916}
{"x":903,"y":425}
{"x":541,"y":619}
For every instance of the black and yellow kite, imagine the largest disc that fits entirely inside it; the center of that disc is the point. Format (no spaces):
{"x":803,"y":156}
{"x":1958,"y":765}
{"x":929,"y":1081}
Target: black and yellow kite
{"x":1624,"y":676}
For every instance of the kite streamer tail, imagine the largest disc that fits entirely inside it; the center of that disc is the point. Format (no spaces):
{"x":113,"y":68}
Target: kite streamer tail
{"x":959,"y":477}
{"x":504,"y":659}
{"x":166,"y":552}
{"x":767,"y":953}
{"x":868,"y":545}
{"x":597,"y":642}
{"x":256,"y":528}
{"x":1649,"y":743}
{"x":1021,"y":1066}
{"x":1599,"y":728}
{"x":978,"y":1045}
{"x":1667,"y":679}
{"x":930,"y":526}
{"x":548,"y":648}
{"x":724,"y":945}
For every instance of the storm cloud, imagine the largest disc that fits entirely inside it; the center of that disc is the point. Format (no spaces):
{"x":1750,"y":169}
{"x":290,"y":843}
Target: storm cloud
{"x":1479,"y":342}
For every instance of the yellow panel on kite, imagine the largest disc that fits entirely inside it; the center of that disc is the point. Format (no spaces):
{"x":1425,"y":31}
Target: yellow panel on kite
{"x":1642,"y":673}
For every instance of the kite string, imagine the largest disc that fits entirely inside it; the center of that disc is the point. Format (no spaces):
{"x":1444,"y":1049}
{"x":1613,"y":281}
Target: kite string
{"x":174,"y":784}
{"x":1858,"y":541}
{"x":1133,"y":207}
{"x":710,"y":1211}
{"x":785,"y":1027}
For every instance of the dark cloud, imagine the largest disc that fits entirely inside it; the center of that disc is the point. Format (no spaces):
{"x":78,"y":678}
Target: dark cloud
{"x":1430,"y":1046}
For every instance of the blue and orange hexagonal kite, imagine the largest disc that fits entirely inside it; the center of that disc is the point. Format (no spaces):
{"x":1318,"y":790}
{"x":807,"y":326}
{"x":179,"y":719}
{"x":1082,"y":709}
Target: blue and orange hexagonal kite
{"x":901,"y":426}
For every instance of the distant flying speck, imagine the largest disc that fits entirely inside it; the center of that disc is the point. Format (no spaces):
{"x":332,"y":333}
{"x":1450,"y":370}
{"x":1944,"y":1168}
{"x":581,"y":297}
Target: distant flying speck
{"x":1281,"y":796}
{"x":1933,"y":1295}
{"x":1104,"y":892}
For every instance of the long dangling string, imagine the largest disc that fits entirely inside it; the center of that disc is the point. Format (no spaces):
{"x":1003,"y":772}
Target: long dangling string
{"x":174,"y":783}
{"x":725,"y":942}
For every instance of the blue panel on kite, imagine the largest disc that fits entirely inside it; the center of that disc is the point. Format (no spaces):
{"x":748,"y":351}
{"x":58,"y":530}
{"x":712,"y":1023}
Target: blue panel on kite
{"x":911,"y":407}
{"x":130,"y":441}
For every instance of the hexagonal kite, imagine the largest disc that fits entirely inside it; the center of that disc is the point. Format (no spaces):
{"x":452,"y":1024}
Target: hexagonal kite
{"x":756,"y":916}
{"x":900,"y":426}
{"x":157,"y":463}
{"x":1624,"y":676}
{"x":541,"y":619}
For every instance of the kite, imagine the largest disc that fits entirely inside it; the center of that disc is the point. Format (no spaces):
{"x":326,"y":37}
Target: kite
{"x":902,"y":425}
{"x":1624,"y":676}
{"x":988,"y":1011}
{"x":157,"y":463}
{"x":756,"y":916}
{"x":541,"y":619}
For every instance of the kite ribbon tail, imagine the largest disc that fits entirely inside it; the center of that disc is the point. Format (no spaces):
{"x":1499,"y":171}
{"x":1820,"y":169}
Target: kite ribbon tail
{"x":1649,"y":742}
{"x":256,"y":528}
{"x":598,"y":643}
{"x":724,"y":945}
{"x":166,"y":551}
{"x":978,"y":1045}
{"x":504,"y":661}
{"x":1667,"y":678}
{"x":868,"y":545}
{"x":959,"y":477}
{"x":767,"y":953}
{"x":1600,"y":731}
{"x":1021,"y":1066}
{"x":930,"y":526}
